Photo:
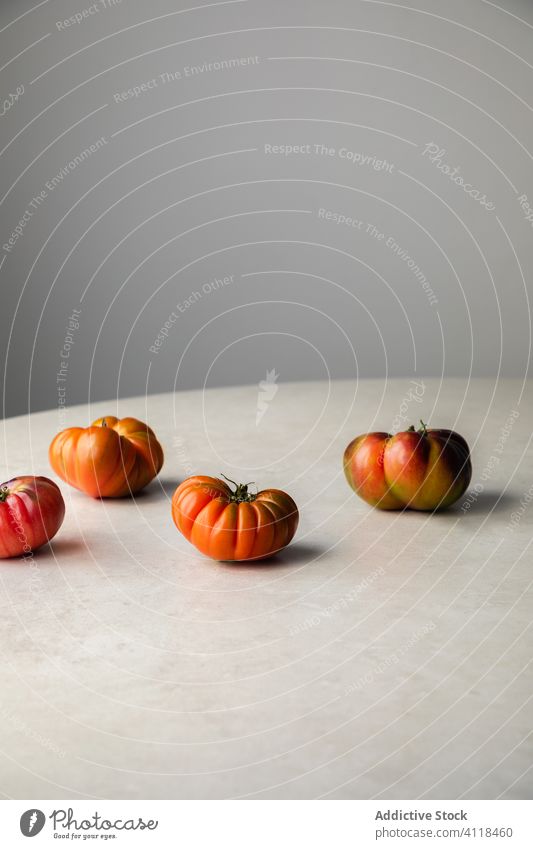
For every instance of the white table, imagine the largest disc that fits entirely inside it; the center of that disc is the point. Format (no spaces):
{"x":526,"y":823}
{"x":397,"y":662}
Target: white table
{"x":383,"y":654}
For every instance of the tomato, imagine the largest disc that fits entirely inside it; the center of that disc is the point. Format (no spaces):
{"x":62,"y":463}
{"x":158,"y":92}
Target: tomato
{"x":421,"y":469}
{"x":31,"y":512}
{"x":233,"y":525}
{"x":111,"y":458}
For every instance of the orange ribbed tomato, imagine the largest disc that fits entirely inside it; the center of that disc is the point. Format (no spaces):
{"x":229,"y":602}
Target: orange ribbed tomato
{"x":235,"y":524}
{"x":31,"y":512}
{"x":111,"y":458}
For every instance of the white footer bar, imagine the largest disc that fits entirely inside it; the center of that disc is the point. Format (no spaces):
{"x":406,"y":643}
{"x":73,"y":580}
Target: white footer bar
{"x":268,"y":824}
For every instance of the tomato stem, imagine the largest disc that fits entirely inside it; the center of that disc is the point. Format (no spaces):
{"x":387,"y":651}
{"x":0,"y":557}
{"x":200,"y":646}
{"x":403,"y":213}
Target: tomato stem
{"x":4,"y":492}
{"x":423,"y":430}
{"x":241,"y":493}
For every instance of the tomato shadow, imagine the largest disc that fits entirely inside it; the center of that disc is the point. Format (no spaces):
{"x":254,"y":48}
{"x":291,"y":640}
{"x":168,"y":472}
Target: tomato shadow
{"x":297,"y":554}
{"x":60,"y":548}
{"x":484,"y":503}
{"x":158,"y":489}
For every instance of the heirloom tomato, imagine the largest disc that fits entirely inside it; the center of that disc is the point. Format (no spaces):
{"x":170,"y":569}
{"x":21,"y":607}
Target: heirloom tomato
{"x":31,"y":512}
{"x":237,"y":524}
{"x":111,"y":458}
{"x":425,"y":469}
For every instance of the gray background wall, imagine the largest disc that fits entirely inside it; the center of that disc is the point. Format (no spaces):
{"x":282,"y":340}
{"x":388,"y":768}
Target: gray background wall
{"x":182,"y":190}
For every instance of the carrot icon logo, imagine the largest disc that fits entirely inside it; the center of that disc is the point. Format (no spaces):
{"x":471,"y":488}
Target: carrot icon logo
{"x":32,"y":822}
{"x":267,"y":391}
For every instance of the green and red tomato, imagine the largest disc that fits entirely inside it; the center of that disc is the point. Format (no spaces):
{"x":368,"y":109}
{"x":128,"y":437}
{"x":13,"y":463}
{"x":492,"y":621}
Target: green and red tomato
{"x":424,"y":469}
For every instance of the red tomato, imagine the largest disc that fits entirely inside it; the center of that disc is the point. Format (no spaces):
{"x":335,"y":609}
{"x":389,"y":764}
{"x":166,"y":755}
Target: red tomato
{"x":31,"y":513}
{"x":421,"y":469}
{"x":233,"y":525}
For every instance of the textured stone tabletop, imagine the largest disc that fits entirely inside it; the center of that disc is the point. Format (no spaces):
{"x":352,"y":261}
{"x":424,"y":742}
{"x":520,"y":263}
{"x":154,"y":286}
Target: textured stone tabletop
{"x":382,"y":654}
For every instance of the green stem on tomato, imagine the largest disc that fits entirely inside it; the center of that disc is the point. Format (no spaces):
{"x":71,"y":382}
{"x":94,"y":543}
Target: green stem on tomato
{"x":4,"y":492}
{"x":240,"y":493}
{"x":423,"y":431}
